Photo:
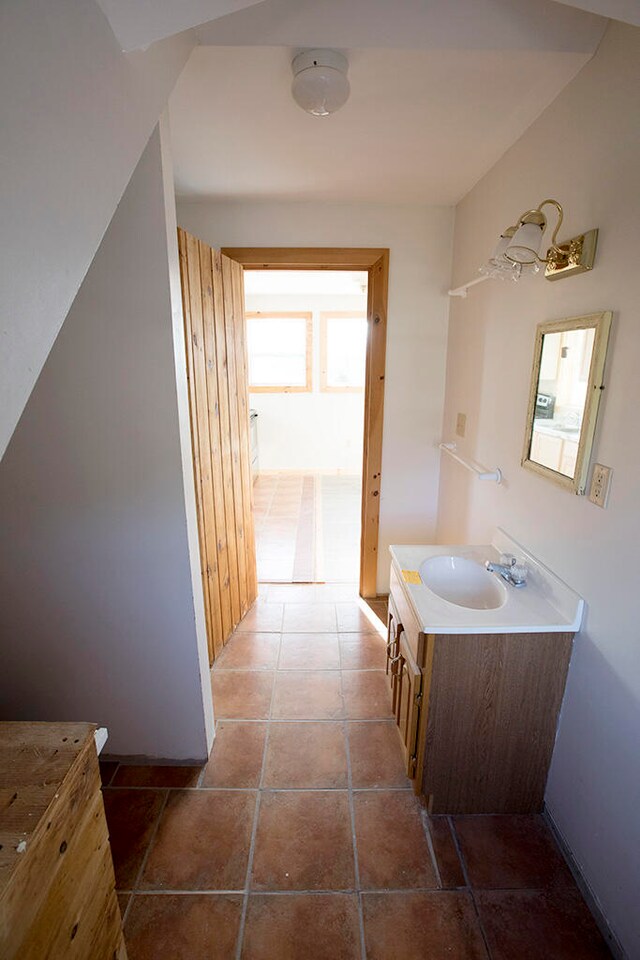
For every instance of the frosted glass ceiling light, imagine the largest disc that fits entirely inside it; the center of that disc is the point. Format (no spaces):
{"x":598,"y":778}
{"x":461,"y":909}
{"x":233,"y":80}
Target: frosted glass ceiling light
{"x":320,"y":84}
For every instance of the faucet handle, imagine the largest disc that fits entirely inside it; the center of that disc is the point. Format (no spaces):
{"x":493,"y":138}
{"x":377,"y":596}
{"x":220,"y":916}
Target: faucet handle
{"x":507,"y":560}
{"x":518,"y":573}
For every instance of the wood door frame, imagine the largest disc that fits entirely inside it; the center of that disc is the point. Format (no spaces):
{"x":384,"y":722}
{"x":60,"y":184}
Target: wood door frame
{"x":376,"y":262}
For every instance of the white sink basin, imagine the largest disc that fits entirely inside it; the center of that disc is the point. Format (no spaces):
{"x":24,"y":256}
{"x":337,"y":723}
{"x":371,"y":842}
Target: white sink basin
{"x":463,"y":582}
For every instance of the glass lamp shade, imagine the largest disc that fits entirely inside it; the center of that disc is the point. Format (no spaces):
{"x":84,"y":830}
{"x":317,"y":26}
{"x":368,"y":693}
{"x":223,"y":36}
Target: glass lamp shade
{"x":320,"y":84}
{"x":497,"y":257}
{"x":497,"y":266}
{"x":524,"y":246}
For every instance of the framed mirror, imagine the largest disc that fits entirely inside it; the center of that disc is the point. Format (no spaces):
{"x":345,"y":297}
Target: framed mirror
{"x":566,"y":385}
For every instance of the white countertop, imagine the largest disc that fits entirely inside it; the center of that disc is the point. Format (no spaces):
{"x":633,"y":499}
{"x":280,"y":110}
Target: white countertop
{"x":545,"y":605}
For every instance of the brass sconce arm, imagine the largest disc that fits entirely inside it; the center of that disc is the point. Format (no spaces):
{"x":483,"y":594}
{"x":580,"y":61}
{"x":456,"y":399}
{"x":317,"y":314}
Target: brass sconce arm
{"x":537,"y":216}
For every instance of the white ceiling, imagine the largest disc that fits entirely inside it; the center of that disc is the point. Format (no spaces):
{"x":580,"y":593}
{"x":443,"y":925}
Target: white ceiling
{"x":138,"y":23}
{"x":290,"y":282}
{"x":440,"y":90}
{"x":417,"y":24}
{"x":420,"y":125}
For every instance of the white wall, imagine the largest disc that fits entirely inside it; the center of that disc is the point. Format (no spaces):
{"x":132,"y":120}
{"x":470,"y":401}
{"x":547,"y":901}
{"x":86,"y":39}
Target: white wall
{"x":419,"y":239}
{"x":314,"y":431}
{"x":98,"y":615}
{"x":585,"y":151}
{"x":75,"y":115}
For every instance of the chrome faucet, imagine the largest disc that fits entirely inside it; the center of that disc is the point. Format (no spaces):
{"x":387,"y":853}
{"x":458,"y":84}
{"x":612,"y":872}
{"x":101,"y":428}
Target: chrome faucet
{"x":509,"y":569}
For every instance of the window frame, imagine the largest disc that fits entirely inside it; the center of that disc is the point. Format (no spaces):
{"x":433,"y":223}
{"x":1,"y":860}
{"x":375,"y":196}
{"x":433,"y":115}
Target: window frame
{"x":305,"y":315}
{"x":337,"y":315}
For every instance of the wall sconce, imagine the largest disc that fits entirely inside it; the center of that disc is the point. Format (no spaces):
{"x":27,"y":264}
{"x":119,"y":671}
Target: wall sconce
{"x":517,"y":251}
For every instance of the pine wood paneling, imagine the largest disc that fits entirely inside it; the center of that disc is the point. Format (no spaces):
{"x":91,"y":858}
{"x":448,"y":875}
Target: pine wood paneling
{"x":218,"y":393}
{"x":195,"y":439}
{"x":242,"y":373}
{"x":225,"y":436}
{"x":234,"y":385}
{"x":213,"y":410}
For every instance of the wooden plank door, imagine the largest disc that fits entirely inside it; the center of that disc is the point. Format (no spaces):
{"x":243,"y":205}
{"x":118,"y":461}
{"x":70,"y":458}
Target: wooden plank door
{"x":215,"y":336}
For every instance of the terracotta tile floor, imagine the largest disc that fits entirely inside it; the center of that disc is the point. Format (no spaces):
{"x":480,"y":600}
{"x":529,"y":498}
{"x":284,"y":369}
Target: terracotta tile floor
{"x":301,"y":838}
{"x":307,"y":527}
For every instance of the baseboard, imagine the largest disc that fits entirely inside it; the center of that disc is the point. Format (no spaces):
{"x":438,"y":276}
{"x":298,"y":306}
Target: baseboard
{"x":590,"y":898}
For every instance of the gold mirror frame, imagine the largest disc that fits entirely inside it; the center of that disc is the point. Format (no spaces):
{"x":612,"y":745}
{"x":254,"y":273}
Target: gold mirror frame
{"x":601,"y":323}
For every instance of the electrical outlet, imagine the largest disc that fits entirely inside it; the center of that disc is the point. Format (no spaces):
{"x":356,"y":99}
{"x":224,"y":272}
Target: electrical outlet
{"x":461,"y":424}
{"x":600,"y":481}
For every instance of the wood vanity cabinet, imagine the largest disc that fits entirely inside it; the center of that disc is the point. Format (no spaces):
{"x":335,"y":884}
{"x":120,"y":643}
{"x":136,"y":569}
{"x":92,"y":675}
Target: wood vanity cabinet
{"x":57,"y":887}
{"x":477,"y":713}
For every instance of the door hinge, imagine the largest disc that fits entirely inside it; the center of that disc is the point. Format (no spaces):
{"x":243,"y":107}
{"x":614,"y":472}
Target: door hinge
{"x":418,"y":699}
{"x":413,"y":762}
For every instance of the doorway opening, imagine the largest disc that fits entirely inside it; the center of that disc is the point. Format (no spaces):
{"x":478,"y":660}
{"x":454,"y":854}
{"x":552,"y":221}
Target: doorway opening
{"x":375,"y":263}
{"x":307,"y":347}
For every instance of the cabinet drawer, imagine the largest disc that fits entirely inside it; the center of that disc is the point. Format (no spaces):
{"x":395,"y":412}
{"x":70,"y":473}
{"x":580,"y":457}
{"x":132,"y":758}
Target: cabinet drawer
{"x":413,"y":636}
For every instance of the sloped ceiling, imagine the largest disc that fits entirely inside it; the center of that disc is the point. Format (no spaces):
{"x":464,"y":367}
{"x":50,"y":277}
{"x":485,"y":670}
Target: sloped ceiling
{"x":626,"y":10}
{"x":439,"y":91}
{"x":139,"y":23}
{"x":410,"y":24}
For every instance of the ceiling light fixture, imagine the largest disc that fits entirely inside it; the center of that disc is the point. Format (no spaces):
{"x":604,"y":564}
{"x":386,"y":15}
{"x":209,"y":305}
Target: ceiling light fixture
{"x":517,"y":252}
{"x":320,"y":84}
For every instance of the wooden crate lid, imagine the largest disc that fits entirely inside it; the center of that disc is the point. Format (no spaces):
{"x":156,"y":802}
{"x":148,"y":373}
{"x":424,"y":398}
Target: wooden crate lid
{"x":34,"y":760}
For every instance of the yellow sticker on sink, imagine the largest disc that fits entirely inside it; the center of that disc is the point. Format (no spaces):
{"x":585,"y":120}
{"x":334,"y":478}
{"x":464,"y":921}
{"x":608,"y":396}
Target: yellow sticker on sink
{"x":411,"y":576}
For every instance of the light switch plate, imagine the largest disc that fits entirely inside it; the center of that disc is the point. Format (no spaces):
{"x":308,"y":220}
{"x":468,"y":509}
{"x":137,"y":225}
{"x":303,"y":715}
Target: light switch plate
{"x":461,"y":424}
{"x":600,"y":481}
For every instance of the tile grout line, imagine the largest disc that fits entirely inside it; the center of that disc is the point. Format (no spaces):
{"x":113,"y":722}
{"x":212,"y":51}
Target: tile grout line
{"x":352,"y":814}
{"x":465,"y":874}
{"x":147,"y":852}
{"x":335,"y":720}
{"x":314,"y":892}
{"x":254,"y":830}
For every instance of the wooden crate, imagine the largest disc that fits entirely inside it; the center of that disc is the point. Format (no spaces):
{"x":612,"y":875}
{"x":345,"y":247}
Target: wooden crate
{"x":57,"y":887}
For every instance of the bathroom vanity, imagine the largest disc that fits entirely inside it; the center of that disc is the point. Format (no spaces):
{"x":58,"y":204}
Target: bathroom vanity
{"x":477,"y":669}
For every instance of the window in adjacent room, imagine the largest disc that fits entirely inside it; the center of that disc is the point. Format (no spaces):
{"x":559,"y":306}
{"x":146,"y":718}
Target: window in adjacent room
{"x":280,"y":348}
{"x":343,"y":347}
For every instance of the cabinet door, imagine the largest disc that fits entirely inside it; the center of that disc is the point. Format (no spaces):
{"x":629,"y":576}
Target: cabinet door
{"x":407,"y":700}
{"x":394,"y":631}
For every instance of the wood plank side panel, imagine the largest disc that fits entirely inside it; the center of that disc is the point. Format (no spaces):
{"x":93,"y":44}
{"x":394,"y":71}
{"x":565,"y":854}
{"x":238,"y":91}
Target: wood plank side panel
{"x":242,"y":370}
{"x":230,"y":321}
{"x":492,"y":717}
{"x":374,"y":410}
{"x":213,"y":418}
{"x":57,"y":899}
{"x":202,"y":420}
{"x":225,"y":438}
{"x":195,"y":443}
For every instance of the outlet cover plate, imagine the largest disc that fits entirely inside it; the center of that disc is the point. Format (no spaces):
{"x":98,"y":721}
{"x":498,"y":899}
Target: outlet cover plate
{"x":600,"y":481}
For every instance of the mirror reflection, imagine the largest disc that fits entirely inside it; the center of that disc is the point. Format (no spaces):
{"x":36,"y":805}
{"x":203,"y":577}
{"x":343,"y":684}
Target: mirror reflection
{"x":561,"y":395}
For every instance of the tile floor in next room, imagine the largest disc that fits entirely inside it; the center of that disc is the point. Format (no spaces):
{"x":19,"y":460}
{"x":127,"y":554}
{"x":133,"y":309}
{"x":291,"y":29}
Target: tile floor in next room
{"x":301,"y":839}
